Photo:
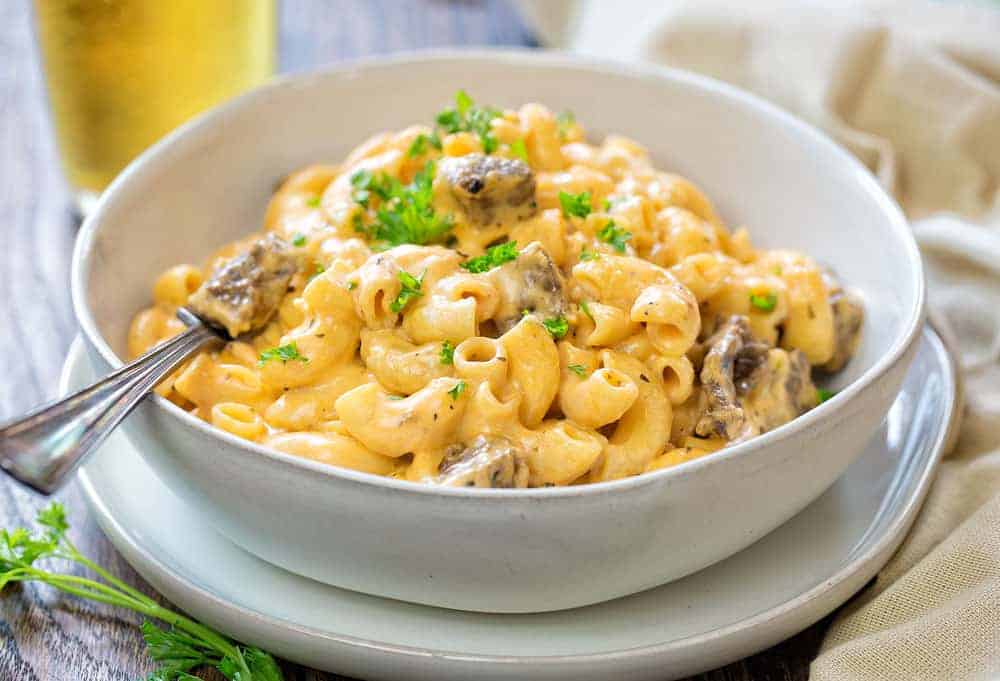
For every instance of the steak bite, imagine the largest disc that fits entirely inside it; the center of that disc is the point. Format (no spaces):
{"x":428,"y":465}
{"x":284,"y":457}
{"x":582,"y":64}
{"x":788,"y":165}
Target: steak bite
{"x":530,"y":284}
{"x":490,"y":189}
{"x":243,"y":292}
{"x":488,"y":461}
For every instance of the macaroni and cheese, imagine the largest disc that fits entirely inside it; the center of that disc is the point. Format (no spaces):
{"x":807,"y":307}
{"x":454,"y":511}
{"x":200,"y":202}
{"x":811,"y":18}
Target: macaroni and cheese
{"x":491,"y":300}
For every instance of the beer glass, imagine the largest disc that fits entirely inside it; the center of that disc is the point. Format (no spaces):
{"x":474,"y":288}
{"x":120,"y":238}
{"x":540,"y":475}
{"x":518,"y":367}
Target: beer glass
{"x":122,"y":73}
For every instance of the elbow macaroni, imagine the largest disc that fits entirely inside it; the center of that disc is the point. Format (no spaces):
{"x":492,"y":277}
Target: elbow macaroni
{"x":389,"y":388}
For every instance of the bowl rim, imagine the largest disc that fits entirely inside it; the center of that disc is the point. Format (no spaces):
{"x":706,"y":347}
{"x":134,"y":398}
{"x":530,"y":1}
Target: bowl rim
{"x":519,"y":57}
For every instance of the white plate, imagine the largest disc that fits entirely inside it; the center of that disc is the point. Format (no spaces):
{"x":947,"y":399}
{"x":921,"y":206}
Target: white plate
{"x":778,"y":586}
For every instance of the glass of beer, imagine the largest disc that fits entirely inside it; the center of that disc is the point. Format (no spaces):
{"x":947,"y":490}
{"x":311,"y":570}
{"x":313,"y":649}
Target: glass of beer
{"x":122,"y":73}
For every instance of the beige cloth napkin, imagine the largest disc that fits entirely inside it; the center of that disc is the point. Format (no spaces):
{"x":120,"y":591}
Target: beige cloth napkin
{"x":913,"y":89}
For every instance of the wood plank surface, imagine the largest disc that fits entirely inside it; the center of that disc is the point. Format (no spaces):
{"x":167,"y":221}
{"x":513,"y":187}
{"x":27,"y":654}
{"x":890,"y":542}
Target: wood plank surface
{"x":47,"y":637}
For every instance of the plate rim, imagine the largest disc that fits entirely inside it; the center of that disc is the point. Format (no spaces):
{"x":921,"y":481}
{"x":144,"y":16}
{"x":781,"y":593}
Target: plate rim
{"x":865,"y":563}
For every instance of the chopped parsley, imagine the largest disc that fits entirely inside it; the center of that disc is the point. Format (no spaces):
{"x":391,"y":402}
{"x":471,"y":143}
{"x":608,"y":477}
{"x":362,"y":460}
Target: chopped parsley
{"x":822,"y":394}
{"x":519,"y":149}
{"x":447,"y":353}
{"x":420,"y":144}
{"x":565,"y":121}
{"x":299,"y":240}
{"x":614,"y":235}
{"x":578,"y":369}
{"x":575,"y":205}
{"x":410,"y":290}
{"x":457,"y":390}
{"x":395,"y":397}
{"x":406,"y":214}
{"x":285,"y":353}
{"x":318,"y":271}
{"x":606,"y":205}
{"x":765,"y":302}
{"x":586,"y":310}
{"x":313,"y":202}
{"x":557,"y":326}
{"x":586,"y":255}
{"x":467,"y":117}
{"x":351,"y":285}
{"x":493,"y":257}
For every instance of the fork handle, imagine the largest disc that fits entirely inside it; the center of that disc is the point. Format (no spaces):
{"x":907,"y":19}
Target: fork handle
{"x":43,"y":448}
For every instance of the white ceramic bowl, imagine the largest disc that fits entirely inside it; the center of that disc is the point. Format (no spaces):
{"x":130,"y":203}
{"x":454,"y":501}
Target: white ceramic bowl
{"x":503,"y":550}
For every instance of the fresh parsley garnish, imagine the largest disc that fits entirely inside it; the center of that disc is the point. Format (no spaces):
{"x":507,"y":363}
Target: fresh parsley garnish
{"x":565,"y":121}
{"x":614,"y":235}
{"x":765,"y":302}
{"x":557,"y":326}
{"x":575,"y":205}
{"x":420,"y":144}
{"x":285,"y":353}
{"x":179,"y":651}
{"x":406,"y":213}
{"x":299,"y":240}
{"x":447,"y":352}
{"x":410,"y":290}
{"x":313,"y":202}
{"x":318,"y":271}
{"x":457,"y":390}
{"x":467,"y":117}
{"x":578,"y":369}
{"x":351,"y":285}
{"x":822,"y":394}
{"x":493,"y":257}
{"x":586,"y":310}
{"x":586,"y":255}
{"x":519,"y":149}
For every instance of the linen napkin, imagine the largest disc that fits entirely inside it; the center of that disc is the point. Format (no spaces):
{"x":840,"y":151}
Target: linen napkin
{"x":913,"y":89}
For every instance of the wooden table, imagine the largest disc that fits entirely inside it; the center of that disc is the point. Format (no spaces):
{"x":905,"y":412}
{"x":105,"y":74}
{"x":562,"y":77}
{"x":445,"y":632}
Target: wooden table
{"x":46,"y":637}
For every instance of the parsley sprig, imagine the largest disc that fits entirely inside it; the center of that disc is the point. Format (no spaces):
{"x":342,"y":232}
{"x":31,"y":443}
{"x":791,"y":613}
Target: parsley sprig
{"x":411,"y":289}
{"x":765,"y":302}
{"x":465,"y":116}
{"x":422,"y":142}
{"x":185,"y":647}
{"x":447,"y":354}
{"x":458,"y":390}
{"x":557,"y":326}
{"x":578,"y":369}
{"x":614,"y":235}
{"x":575,"y":205}
{"x":822,"y":394}
{"x":406,"y":214}
{"x":285,"y":353}
{"x":493,"y":257}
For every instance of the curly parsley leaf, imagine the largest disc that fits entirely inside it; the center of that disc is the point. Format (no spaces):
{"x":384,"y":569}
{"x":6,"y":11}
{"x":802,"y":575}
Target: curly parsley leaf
{"x":447,"y":354}
{"x":575,"y":205}
{"x":285,"y":353}
{"x":422,"y":142}
{"x":765,"y":302}
{"x":457,"y":390}
{"x":493,"y":257}
{"x":578,"y":369}
{"x":519,"y":149}
{"x":467,"y":117}
{"x":614,"y":235}
{"x":410,"y":290}
{"x":299,"y":240}
{"x":586,"y":255}
{"x":406,"y":214}
{"x":557,"y":326}
{"x":822,"y":394}
{"x":564,"y":122}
